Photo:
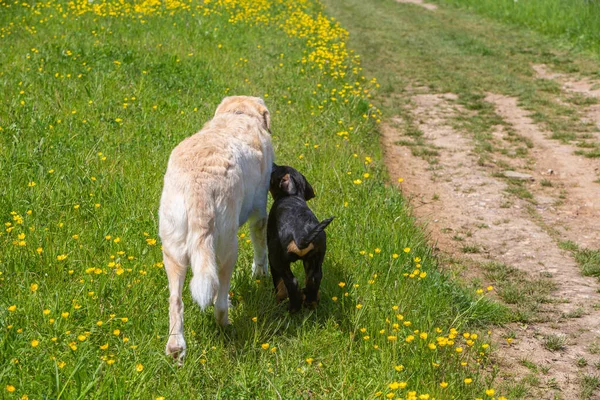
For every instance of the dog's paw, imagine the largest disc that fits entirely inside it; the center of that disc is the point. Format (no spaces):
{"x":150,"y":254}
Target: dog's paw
{"x":222,"y":316}
{"x":176,"y":348}
{"x":293,"y":309}
{"x":310,"y":300}
{"x":229,"y":331}
{"x":261,"y":269}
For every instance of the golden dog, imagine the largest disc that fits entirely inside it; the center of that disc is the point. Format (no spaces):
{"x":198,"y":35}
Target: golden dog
{"x":216,"y":180}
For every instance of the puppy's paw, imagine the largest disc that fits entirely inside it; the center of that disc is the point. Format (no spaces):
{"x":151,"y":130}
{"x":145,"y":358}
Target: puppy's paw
{"x":310,"y":300}
{"x":311,"y":305}
{"x":294,"y":308}
{"x":176,"y":348}
{"x":281,"y":291}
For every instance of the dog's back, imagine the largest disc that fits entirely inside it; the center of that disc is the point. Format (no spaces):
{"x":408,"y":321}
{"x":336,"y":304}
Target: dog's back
{"x":294,"y":228}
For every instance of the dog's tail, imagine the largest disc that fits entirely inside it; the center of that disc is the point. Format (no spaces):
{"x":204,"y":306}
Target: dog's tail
{"x":308,"y":239}
{"x":201,"y":250}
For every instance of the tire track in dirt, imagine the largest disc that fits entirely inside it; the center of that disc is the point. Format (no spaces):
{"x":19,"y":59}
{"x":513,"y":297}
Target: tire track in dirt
{"x":421,"y":3}
{"x":472,"y":205}
{"x":578,"y":217}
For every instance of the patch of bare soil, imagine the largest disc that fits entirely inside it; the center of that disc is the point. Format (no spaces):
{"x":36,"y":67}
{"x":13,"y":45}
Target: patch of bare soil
{"x":428,"y":6}
{"x":469,"y":214}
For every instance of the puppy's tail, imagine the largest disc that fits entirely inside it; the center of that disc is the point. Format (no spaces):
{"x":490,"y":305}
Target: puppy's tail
{"x":307,"y":240}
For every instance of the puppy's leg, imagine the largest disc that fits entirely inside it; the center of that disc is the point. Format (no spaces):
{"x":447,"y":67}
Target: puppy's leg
{"x":176,"y":274}
{"x":258,"y":234}
{"x":291,"y":285}
{"x":227,"y":258}
{"x":280,"y":289}
{"x":313,"y":272}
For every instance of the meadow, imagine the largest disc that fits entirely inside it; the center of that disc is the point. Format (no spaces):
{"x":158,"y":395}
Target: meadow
{"x":93,"y":97}
{"x":575,"y":21}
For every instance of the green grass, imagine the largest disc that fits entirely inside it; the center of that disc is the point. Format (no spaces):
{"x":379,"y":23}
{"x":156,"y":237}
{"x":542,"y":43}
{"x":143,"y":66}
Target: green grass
{"x":90,"y":107}
{"x":526,"y":294}
{"x":575,"y":20}
{"x":555,"y":342}
{"x":589,"y":385}
{"x":589,"y":261}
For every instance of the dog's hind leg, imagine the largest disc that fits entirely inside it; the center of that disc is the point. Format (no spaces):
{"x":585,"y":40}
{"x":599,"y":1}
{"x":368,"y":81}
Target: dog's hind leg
{"x":258,"y":234}
{"x":176,"y":274}
{"x":291,"y":285}
{"x":313,"y":272}
{"x":226,"y":259}
{"x":280,"y":289}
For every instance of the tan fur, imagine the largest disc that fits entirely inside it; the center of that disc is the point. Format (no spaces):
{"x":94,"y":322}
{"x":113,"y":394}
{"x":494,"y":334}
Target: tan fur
{"x":216,"y":180}
{"x":282,"y":293}
{"x":293,"y":248}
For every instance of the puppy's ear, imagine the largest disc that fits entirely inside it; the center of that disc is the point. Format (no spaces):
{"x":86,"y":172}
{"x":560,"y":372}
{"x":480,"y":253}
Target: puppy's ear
{"x":309,"y":192}
{"x":274,"y":167}
{"x":287,"y":184}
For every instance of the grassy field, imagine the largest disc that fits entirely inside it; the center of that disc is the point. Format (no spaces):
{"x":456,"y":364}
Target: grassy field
{"x":93,"y":97}
{"x":577,"y":21}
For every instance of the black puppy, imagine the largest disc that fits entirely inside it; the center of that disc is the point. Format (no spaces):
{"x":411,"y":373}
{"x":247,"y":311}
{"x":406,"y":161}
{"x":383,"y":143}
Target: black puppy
{"x":294,"y":233}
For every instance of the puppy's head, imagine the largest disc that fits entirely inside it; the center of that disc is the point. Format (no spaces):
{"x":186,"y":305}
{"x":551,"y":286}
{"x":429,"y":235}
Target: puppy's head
{"x":251,"y":106}
{"x":286,"y":181}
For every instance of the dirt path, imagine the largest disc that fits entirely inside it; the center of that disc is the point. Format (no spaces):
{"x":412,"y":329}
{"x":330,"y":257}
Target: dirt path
{"x":427,"y":6}
{"x":466,"y":207}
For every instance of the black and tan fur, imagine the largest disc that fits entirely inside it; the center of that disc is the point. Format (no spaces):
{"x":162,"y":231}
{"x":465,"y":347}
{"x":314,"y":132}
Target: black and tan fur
{"x":294,"y":233}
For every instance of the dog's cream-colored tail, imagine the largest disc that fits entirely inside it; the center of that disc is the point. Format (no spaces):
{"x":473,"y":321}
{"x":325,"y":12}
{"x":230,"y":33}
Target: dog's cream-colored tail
{"x":205,"y":282}
{"x":201,"y":250}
